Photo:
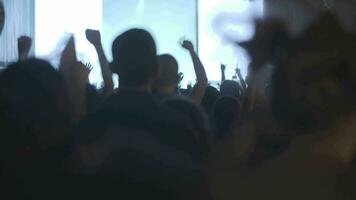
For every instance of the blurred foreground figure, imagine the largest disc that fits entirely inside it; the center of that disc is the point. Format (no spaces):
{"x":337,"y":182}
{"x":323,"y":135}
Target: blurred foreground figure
{"x":34,"y":127}
{"x":313,"y":101}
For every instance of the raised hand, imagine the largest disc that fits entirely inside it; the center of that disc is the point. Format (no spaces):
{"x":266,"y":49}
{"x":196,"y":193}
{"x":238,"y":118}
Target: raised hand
{"x":93,"y":36}
{"x":237,"y":70}
{"x":188,"y":45}
{"x":24,"y":44}
{"x":223,"y":67}
{"x":198,"y":91}
{"x":80,"y":73}
{"x":242,"y":80}
{"x":88,"y":68}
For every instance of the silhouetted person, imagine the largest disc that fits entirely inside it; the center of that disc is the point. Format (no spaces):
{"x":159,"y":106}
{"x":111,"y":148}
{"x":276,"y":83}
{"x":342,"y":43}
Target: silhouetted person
{"x":34,"y":127}
{"x":135,"y":137}
{"x":168,"y":78}
{"x":211,"y":95}
{"x":231,"y":88}
{"x":226,"y":112}
{"x":94,"y":37}
{"x":313,"y":102}
{"x":167,"y":82}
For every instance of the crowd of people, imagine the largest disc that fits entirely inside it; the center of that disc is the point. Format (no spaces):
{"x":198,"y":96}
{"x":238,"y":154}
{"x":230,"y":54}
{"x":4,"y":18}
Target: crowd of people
{"x":286,"y":132}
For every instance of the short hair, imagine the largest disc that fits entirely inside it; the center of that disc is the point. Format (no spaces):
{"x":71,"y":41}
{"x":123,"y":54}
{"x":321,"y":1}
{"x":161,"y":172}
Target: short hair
{"x":134,"y":57}
{"x":168,"y":69}
{"x":232,"y":88}
{"x":29,"y":92}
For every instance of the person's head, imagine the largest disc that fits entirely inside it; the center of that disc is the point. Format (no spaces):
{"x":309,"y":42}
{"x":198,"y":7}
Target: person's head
{"x":226,"y":110}
{"x":168,"y":78}
{"x":231,"y":88}
{"x":135,"y":59}
{"x":209,"y":99}
{"x":32,"y":107}
{"x":2,"y":16}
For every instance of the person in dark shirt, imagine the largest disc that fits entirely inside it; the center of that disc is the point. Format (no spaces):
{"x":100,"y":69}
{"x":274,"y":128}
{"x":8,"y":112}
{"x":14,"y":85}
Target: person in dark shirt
{"x":134,"y":136}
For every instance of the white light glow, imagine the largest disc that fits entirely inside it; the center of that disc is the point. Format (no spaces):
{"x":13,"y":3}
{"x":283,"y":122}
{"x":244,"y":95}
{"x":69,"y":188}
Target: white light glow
{"x":56,"y":20}
{"x":221,"y":24}
{"x":167,"y":21}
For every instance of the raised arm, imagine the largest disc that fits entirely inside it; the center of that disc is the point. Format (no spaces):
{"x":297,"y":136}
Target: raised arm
{"x":75,"y":76}
{"x":94,"y":38}
{"x":24,"y":44}
{"x":223,"y":77}
{"x":199,"y":89}
{"x":242,"y":80}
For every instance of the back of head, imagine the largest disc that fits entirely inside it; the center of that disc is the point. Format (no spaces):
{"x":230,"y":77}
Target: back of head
{"x":168,"y":70}
{"x":226,"y":110}
{"x":31,"y":95}
{"x":231,"y":88}
{"x":134,"y":57}
{"x":210,"y":97}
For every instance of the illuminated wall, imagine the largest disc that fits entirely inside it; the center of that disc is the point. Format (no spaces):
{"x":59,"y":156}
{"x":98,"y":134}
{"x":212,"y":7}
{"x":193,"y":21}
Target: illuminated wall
{"x":168,"y":21}
{"x":221,"y":23}
{"x":211,"y":23}
{"x":19,"y":21}
{"x":56,"y":20}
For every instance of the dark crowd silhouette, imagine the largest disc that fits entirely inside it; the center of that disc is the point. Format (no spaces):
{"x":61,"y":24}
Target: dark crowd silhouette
{"x":286,"y":131}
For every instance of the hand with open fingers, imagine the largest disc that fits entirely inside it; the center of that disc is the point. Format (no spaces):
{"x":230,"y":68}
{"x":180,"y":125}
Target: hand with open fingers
{"x":79,"y":74}
{"x":89,"y":67}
